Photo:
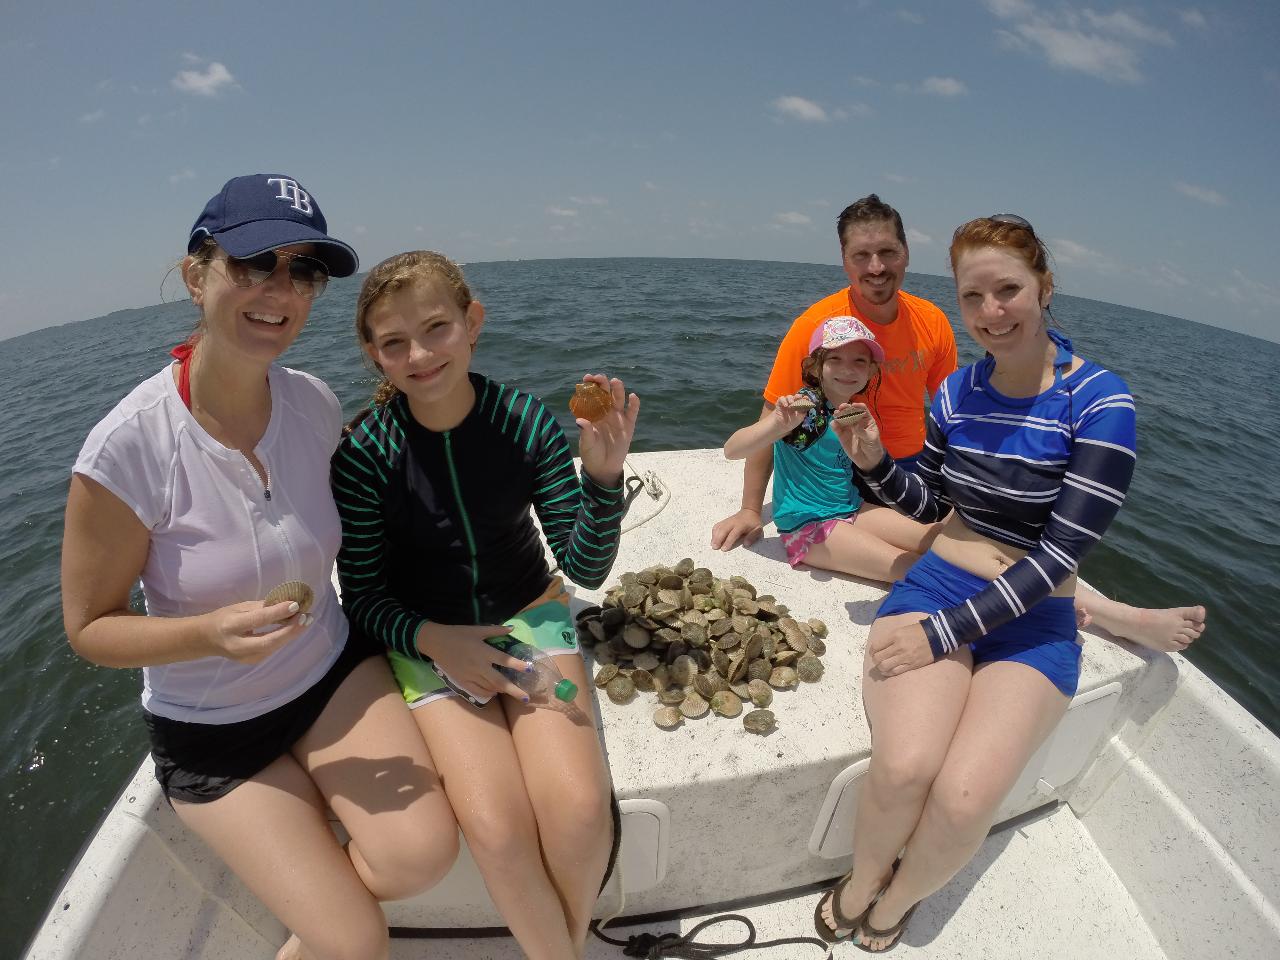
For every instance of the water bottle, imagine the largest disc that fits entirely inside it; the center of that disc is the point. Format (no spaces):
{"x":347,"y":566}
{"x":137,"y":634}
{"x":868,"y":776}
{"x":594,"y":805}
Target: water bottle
{"x":545,"y":684}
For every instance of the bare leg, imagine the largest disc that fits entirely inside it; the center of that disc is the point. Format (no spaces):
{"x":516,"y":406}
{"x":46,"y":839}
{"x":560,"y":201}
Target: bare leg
{"x":881,"y":544}
{"x":1010,"y":711}
{"x":273,"y":833}
{"x":913,"y":717}
{"x":1168,"y":629}
{"x":477,"y":760}
{"x":568,"y":786}
{"x":372,"y":767}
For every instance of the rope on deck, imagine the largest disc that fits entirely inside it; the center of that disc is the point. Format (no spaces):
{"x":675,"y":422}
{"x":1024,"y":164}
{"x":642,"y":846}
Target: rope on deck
{"x":674,"y":946}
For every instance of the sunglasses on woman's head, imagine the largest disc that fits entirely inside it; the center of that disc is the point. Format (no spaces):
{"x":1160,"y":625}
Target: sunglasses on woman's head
{"x":308,"y":275}
{"x":1013,"y":219}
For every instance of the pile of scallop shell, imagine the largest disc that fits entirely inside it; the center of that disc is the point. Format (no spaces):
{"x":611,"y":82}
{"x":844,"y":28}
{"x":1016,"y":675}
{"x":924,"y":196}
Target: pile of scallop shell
{"x":701,"y":644}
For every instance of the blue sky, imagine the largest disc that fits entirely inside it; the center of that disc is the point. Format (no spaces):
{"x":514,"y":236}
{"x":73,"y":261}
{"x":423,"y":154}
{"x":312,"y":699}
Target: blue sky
{"x":1141,"y":140}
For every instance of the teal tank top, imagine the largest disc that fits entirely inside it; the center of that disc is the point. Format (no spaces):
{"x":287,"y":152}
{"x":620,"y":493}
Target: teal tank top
{"x":813,"y":483}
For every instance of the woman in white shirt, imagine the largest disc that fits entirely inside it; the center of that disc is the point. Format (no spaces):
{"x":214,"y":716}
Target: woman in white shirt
{"x":210,"y":483}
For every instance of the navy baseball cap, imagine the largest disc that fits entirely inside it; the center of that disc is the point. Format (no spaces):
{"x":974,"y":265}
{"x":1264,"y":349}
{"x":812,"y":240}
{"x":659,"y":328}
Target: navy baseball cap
{"x":260,"y":212}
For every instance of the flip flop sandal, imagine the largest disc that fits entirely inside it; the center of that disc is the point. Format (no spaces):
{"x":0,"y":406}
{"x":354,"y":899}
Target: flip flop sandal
{"x":851,"y":924}
{"x":894,"y":932}
{"x":842,"y":922}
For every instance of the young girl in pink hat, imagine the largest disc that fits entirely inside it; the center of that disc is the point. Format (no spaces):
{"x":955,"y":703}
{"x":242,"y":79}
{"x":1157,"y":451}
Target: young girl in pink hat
{"x":819,"y":512}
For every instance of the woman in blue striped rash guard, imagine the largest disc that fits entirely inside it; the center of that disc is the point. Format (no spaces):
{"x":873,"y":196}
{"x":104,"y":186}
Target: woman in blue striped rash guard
{"x":973,"y":657}
{"x":439,"y":554}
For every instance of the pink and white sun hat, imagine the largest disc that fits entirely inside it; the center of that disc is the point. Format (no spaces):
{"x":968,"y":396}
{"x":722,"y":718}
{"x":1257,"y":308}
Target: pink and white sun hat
{"x":838,"y":331}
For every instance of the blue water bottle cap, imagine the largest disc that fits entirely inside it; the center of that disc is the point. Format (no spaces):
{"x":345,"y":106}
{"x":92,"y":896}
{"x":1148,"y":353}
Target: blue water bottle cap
{"x":566,"y":690}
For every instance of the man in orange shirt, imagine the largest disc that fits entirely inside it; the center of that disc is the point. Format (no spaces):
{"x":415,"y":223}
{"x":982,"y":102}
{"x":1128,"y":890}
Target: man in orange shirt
{"x":919,"y":347}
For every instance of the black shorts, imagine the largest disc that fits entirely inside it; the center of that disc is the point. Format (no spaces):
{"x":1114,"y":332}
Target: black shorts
{"x":200,"y":762}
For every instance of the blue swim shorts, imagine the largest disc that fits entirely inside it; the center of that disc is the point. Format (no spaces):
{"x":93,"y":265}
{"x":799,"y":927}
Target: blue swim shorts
{"x":1044,"y":637}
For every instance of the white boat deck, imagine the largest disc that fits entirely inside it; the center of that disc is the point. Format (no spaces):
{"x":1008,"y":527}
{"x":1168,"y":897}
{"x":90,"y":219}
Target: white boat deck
{"x":1040,"y":889}
{"x":1164,"y":839}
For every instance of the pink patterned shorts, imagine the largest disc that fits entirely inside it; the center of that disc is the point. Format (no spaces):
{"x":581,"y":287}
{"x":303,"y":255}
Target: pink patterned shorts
{"x":799,"y":542}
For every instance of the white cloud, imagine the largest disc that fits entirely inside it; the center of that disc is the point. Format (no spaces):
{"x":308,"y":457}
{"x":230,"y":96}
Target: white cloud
{"x":1123,"y":24}
{"x":1203,"y":194}
{"x":1193,"y":18}
{"x":204,"y":83}
{"x":791,"y":218}
{"x":916,"y":237}
{"x":1102,"y":45}
{"x":1010,"y":9}
{"x":189,"y":57}
{"x":943,"y":87}
{"x":1091,"y":54}
{"x":910,"y":16}
{"x":562,"y":211}
{"x":1075,"y":254}
{"x":798,"y":108}
{"x":184,"y":174}
{"x":93,"y":117}
{"x":853,"y":110}
{"x":1247,"y":292}
{"x":589,"y":201}
{"x":651,"y":186}
{"x":1171,"y":276}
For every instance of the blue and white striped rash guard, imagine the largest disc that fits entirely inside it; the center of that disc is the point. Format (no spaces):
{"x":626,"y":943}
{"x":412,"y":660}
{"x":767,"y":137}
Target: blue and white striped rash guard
{"x":1046,"y":474}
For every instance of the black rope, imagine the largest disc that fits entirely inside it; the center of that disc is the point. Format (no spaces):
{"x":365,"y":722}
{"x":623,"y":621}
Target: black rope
{"x":675,"y":946}
{"x":635,"y":486}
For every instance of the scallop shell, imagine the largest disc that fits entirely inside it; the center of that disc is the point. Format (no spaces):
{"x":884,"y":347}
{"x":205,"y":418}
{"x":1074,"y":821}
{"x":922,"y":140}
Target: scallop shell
{"x":668,"y":718}
{"x":294,"y":590}
{"x":694,"y":706}
{"x":590,"y":401}
{"x":726,"y":704}
{"x":643,"y":679}
{"x":809,"y":668}
{"x":672,"y":696}
{"x":620,"y":689}
{"x":783,"y":678}
{"x":759,"y":721}
{"x":760,"y":693}
{"x":605,"y":674}
{"x":818,"y":627}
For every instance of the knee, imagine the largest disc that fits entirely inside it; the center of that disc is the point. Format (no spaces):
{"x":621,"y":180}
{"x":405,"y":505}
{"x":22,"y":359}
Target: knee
{"x":579,"y":821}
{"x":902,"y":775}
{"x":414,"y":861}
{"x":501,"y":834}
{"x":960,"y":807}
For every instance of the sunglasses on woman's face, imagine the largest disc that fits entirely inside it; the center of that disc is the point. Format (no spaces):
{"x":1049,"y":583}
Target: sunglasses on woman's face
{"x":308,"y":275}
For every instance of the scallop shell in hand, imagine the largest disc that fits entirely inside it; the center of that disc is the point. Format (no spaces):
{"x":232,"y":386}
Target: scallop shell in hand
{"x":294,"y":590}
{"x":590,"y":401}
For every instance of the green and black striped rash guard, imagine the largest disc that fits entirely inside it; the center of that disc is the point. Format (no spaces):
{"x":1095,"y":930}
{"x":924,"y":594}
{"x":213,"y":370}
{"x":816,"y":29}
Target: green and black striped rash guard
{"x":436,"y":526}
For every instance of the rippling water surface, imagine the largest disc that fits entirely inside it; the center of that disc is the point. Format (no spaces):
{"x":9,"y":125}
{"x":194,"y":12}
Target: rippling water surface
{"x":695,"y":338}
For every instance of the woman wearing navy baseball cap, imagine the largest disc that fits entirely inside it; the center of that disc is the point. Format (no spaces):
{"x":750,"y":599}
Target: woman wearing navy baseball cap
{"x":210,"y":483}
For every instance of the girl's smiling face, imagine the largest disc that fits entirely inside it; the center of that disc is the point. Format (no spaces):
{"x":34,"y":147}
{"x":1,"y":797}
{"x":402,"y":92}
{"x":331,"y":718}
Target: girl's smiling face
{"x":846,"y":369}
{"x":422,"y":340}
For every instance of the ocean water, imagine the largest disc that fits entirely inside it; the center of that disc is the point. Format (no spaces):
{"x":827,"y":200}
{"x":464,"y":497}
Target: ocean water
{"x":695,"y":338}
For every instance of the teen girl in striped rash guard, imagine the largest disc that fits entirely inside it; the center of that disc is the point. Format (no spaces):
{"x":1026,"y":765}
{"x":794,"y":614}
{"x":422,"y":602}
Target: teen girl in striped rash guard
{"x":973,"y":656}
{"x":434,"y":488}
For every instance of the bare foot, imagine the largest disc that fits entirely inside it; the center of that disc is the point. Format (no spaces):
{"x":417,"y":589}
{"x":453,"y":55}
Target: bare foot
{"x":292,"y":949}
{"x":852,"y":903}
{"x":1168,"y":630}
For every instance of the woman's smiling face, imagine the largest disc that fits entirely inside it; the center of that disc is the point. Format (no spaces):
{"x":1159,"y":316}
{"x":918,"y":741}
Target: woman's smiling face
{"x":1001,"y":301}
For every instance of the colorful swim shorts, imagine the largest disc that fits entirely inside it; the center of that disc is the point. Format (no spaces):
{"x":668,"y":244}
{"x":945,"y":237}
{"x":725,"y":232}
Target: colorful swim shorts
{"x":800,"y":541}
{"x":545,"y":624}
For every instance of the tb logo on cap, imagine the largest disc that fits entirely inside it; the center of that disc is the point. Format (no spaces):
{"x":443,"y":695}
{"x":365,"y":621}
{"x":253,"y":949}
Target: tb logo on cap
{"x":298,"y":198}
